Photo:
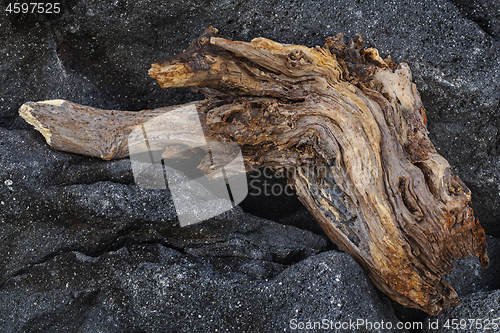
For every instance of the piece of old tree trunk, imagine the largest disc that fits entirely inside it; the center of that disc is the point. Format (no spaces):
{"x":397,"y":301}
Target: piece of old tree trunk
{"x":350,"y":124}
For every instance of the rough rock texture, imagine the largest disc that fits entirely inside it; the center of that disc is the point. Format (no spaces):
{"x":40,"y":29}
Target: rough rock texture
{"x":469,"y":277}
{"x":476,"y":314}
{"x":151,"y":288}
{"x":54,"y":202}
{"x":98,"y":53}
{"x":486,"y":13}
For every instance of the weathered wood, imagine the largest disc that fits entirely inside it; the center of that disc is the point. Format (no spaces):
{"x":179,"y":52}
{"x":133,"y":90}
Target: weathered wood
{"x":350,"y":126}
{"x":100,"y":133}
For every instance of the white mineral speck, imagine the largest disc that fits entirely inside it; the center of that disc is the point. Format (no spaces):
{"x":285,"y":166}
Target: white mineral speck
{"x":8,"y":182}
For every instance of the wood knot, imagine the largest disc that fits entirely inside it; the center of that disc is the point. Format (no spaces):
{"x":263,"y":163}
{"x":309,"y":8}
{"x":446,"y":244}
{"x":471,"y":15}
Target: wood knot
{"x":298,"y":58}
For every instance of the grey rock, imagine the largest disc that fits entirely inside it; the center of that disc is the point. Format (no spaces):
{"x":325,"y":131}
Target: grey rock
{"x":486,"y":13}
{"x":151,"y":288}
{"x":478,"y":312}
{"x":53,"y":202}
{"x":477,"y":288}
{"x":469,"y":277}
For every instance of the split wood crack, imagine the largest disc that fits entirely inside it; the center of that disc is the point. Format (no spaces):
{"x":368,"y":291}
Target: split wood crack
{"x":397,"y":207}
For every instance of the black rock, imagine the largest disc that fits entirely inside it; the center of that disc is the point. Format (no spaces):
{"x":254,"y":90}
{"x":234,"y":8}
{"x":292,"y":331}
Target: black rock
{"x":478,"y":312}
{"x":486,"y":13}
{"x":151,"y":288}
{"x":469,"y":277}
{"x":51,"y":202}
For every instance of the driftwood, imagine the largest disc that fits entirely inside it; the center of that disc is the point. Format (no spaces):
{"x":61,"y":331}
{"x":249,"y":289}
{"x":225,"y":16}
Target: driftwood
{"x":350,"y":124}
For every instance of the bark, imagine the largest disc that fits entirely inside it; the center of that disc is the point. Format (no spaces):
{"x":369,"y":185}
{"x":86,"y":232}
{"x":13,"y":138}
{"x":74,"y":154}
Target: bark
{"x":349,"y":127}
